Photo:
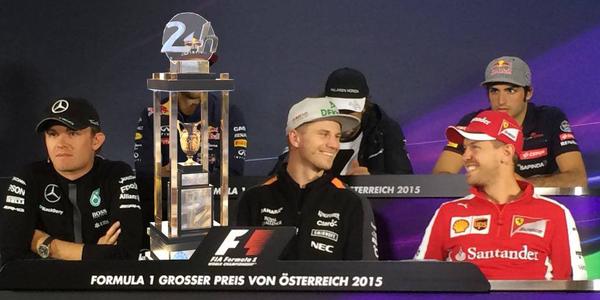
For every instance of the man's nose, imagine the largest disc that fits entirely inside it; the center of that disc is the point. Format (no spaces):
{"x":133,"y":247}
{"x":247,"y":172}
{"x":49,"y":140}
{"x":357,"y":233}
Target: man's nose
{"x":333,"y":142}
{"x":502,"y":98}
{"x":466,"y":155}
{"x":62,"y":141}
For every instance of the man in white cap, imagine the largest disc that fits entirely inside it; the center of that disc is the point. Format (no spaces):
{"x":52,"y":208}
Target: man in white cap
{"x":377,"y":145}
{"x":333,"y":222}
{"x":502,"y":226}
{"x":550,"y":156}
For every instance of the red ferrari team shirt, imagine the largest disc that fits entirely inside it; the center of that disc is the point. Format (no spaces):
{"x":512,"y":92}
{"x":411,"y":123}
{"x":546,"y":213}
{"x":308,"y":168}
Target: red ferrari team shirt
{"x":531,"y":237}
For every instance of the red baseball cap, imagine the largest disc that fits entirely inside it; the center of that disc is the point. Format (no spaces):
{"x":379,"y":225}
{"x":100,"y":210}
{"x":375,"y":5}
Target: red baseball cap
{"x":489,"y":125}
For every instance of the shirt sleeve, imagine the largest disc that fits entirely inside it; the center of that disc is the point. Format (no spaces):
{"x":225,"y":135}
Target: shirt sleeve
{"x":238,"y":141}
{"x":562,"y":139}
{"x":143,"y":155}
{"x":125,"y":208}
{"x":566,"y":257}
{"x":432,"y":245}
{"x":18,"y":215}
{"x":396,"y":155}
{"x":362,"y":240}
{"x":143,"y":143}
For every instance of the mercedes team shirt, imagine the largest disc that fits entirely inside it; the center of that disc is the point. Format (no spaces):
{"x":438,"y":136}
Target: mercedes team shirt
{"x":532,"y":237}
{"x":40,"y":198}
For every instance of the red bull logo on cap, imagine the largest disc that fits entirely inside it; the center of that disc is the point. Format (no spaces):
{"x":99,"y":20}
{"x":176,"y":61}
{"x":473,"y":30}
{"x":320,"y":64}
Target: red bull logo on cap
{"x":501,"y":67}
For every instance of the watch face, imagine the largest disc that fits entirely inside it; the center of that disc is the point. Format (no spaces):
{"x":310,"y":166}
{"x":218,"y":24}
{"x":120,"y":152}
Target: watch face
{"x":43,"y":251}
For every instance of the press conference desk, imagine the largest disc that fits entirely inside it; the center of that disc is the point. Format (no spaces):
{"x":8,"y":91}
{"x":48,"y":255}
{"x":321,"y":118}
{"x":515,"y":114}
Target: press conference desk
{"x":403,"y":205}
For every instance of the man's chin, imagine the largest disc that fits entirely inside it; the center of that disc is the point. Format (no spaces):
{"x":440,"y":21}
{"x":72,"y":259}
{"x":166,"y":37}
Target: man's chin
{"x":326,"y":166}
{"x":471,"y":180}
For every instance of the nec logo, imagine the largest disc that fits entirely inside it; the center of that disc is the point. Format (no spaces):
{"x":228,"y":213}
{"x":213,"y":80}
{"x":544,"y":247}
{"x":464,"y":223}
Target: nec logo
{"x":254,"y":245}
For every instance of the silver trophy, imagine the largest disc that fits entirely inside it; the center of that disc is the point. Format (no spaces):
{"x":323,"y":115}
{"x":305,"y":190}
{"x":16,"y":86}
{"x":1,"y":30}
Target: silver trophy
{"x":188,"y":41}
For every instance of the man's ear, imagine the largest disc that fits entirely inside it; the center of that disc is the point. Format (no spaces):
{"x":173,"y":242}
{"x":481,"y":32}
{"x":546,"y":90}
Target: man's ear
{"x":509,"y":151}
{"x":97,"y":140}
{"x":294,"y":138}
{"x":529,"y":94}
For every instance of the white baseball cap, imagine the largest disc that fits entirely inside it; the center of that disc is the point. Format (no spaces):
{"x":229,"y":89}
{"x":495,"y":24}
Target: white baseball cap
{"x":316,"y":109}
{"x":352,"y":104}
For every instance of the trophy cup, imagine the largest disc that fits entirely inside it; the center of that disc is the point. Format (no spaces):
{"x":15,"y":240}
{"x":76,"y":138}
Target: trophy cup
{"x":189,"y":139}
{"x":188,"y":41}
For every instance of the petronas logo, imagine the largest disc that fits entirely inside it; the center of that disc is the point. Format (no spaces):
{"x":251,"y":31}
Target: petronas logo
{"x":95,"y":198}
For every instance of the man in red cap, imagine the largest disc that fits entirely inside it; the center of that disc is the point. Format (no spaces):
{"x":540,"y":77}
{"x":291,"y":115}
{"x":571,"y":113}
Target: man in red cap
{"x":502,"y":227}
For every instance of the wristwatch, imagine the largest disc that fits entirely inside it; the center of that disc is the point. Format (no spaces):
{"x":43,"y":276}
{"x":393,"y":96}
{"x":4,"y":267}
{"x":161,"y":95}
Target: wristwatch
{"x":43,"y":249}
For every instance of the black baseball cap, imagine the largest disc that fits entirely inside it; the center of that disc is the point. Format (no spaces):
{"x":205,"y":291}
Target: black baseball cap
{"x":75,"y":113}
{"x":346,"y":83}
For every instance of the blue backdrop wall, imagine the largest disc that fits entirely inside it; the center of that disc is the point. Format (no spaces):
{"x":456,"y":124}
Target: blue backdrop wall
{"x":423,"y":59}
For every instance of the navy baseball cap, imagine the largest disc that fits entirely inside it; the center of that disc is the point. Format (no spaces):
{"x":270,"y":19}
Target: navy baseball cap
{"x":75,"y":113}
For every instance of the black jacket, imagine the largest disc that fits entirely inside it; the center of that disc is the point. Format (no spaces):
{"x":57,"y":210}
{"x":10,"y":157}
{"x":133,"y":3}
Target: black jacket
{"x":38,"y":198}
{"x":333,"y":222}
{"x":383,"y":146}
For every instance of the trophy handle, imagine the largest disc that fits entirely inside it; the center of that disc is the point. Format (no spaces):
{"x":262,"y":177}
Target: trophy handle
{"x":181,"y":124}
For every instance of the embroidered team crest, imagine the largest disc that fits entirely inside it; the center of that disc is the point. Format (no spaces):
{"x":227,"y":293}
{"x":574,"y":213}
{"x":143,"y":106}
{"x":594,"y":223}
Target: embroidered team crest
{"x":95,"y":198}
{"x":528,"y":225}
{"x":519,"y":221}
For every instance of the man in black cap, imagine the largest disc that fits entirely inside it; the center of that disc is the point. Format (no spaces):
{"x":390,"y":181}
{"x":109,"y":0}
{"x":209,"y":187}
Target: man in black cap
{"x":377,"y":145}
{"x":75,"y":205}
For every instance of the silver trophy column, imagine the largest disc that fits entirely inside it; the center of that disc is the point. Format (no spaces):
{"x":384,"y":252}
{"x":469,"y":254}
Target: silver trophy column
{"x":188,"y":41}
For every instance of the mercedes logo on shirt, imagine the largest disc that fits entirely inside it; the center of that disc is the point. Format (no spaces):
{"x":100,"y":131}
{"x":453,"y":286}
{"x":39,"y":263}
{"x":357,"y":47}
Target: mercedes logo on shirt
{"x":51,"y":193}
{"x":60,"y":106}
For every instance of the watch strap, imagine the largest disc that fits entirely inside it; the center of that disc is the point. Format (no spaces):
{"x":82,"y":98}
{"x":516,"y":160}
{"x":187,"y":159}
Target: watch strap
{"x":48,"y":240}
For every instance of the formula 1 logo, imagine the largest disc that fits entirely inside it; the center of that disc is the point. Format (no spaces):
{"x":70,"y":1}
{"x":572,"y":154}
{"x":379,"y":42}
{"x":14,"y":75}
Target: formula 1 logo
{"x":60,"y":106}
{"x":253,"y":247}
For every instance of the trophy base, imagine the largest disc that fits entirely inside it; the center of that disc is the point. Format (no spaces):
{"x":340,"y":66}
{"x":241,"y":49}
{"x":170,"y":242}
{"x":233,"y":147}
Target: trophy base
{"x":165,"y":247}
{"x":192,"y":175}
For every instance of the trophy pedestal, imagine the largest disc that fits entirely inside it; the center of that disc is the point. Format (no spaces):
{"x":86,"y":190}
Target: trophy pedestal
{"x":165,"y":247}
